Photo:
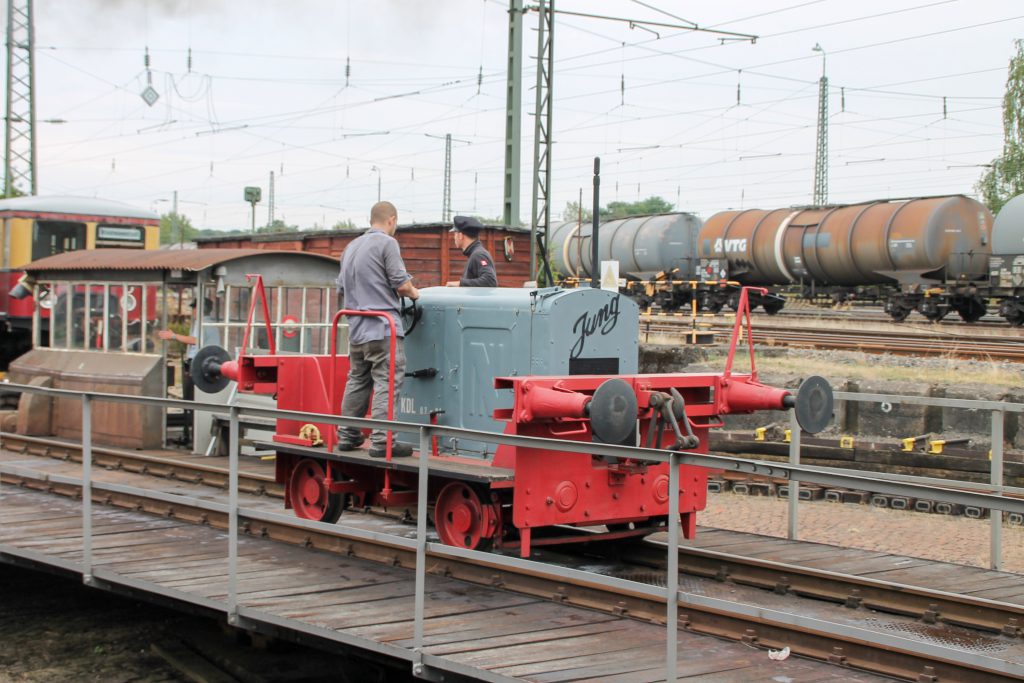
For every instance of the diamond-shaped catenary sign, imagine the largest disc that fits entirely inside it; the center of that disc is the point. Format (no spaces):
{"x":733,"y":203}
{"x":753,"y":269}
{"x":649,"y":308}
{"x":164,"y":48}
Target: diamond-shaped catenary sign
{"x":149,"y":95}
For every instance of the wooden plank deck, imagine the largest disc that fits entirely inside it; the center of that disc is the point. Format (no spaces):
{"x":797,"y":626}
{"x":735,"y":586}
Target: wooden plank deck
{"x":914,"y":571}
{"x":495,"y":634}
{"x":974,"y":581}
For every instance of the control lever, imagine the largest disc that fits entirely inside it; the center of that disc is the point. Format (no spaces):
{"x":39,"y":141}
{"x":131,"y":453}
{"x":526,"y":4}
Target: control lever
{"x":665,"y":404}
{"x":425,"y":372}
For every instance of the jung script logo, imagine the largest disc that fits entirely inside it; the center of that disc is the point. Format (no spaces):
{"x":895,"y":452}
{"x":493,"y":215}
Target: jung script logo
{"x":602,"y":320}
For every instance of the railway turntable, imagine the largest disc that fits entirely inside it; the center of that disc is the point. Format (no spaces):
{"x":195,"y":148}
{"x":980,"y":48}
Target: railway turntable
{"x":382,"y":587}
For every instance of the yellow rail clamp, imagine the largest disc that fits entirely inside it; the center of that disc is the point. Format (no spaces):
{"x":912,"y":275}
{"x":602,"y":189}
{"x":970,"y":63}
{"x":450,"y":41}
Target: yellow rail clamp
{"x":908,"y":443}
{"x":846,"y":442}
{"x":788,"y":435}
{"x":759,"y":433}
{"x":935,"y":447}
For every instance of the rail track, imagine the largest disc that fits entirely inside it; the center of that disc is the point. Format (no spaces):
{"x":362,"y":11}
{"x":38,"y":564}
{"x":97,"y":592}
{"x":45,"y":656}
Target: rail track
{"x":916,"y":342}
{"x":876,"y":314}
{"x":647,"y":562}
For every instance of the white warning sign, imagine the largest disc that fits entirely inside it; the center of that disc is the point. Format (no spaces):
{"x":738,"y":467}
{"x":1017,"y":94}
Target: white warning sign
{"x":610,"y":275}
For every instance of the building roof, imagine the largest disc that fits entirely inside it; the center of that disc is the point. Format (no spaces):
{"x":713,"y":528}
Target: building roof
{"x":75,"y":205}
{"x":159,"y":259}
{"x":307,"y":234}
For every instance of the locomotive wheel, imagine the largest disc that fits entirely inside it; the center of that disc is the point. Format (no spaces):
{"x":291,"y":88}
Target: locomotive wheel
{"x":1015,"y":319}
{"x":709,"y":303}
{"x":465,"y":517}
{"x":971,"y":310}
{"x":899,"y":314}
{"x":309,"y":496}
{"x":772,"y":308}
{"x":936,"y":315}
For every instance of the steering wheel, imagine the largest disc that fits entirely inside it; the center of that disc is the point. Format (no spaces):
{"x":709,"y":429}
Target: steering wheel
{"x":410,"y":313}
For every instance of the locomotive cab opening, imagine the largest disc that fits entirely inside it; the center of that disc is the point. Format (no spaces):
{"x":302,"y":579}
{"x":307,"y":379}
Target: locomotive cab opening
{"x":127,"y":321}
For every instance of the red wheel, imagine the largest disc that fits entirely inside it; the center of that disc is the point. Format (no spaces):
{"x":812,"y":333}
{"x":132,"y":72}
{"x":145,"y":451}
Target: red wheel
{"x":465,"y":517}
{"x":309,"y":496}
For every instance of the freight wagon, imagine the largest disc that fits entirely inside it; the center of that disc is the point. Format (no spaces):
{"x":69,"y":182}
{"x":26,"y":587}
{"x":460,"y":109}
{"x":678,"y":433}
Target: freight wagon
{"x":427,"y":249}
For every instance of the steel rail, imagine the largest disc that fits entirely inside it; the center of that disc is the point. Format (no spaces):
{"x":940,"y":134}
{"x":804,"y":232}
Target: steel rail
{"x":142,"y":463}
{"x":836,"y":587}
{"x":779,"y":577}
{"x":930,"y":605}
{"x":1005,"y":348}
{"x":826,"y":641}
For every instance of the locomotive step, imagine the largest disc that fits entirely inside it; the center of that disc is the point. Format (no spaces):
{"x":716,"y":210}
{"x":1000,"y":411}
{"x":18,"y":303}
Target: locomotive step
{"x":442,"y":467}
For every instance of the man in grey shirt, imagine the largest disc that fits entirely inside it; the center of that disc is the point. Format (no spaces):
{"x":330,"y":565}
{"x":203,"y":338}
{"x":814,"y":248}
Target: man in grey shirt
{"x":371,"y":278}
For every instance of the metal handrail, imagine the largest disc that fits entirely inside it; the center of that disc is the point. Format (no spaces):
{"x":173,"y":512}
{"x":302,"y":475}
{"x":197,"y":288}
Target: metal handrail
{"x":420,"y":661}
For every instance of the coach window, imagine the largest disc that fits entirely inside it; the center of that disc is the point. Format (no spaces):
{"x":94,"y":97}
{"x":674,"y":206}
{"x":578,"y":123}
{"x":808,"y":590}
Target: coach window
{"x":56,"y":237}
{"x":60,"y":316}
{"x":137,"y":309}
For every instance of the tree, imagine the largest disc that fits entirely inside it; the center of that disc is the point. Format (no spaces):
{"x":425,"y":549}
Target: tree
{"x":348,"y":224}
{"x":176,"y":228}
{"x":277,"y":226}
{"x":497,"y":220}
{"x":1004,"y":178}
{"x":646,"y":207}
{"x":572,"y":213}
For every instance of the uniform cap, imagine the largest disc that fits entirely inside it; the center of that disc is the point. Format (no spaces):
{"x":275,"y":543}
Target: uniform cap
{"x":467,"y":225}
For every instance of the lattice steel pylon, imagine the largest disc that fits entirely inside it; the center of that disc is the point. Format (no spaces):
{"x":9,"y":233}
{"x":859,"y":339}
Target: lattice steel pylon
{"x":541,"y":214}
{"x":270,"y":202}
{"x":821,"y":155}
{"x":20,"y":123}
{"x":446,"y":207}
{"x":513,"y":112}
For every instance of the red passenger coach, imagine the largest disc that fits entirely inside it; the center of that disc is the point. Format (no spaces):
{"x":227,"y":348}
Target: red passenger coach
{"x":33,"y":228}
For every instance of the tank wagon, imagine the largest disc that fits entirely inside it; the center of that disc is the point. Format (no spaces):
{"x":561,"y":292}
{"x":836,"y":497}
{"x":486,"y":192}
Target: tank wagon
{"x":657,"y":257}
{"x":929,"y":254}
{"x":1006,"y":268}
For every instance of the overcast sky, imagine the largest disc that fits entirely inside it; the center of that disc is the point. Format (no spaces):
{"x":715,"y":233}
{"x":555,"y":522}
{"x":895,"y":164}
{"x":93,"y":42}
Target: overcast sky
{"x":268,"y":91}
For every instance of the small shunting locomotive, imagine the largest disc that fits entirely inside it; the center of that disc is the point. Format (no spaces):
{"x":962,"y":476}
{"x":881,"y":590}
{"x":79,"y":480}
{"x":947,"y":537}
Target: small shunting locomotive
{"x":553,"y":363}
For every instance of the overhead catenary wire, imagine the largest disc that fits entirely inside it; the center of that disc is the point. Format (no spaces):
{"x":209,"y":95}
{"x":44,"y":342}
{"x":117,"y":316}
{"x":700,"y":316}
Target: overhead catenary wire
{"x":295,"y":121}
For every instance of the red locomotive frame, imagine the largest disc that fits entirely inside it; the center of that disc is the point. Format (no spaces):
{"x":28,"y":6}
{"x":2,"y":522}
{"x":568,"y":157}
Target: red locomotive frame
{"x":506,"y":499}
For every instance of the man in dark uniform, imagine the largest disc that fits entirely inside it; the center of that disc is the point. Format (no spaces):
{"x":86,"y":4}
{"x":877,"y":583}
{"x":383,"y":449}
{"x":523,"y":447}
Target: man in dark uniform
{"x":479,"y":265}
